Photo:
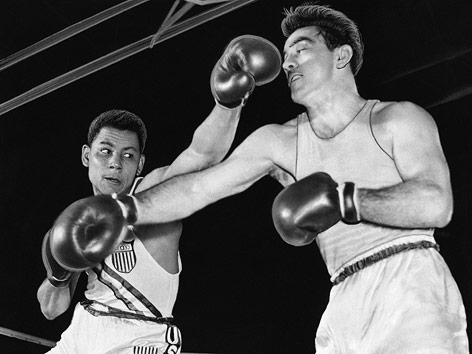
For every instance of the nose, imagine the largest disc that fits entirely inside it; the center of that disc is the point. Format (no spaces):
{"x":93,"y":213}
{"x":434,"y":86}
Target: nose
{"x":115,"y":162}
{"x":289,"y":64}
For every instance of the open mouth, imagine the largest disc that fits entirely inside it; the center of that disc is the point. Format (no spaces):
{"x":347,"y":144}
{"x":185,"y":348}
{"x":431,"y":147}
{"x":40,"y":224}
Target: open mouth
{"x":112,"y":180}
{"x":293,"y":78}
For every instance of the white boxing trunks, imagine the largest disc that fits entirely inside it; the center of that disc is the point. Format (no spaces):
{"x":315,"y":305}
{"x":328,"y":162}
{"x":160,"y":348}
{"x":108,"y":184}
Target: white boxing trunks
{"x":109,"y":334}
{"x":407,"y":303}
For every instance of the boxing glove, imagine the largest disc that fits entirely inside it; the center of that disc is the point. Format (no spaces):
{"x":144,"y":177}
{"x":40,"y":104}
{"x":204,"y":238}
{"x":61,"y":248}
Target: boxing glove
{"x":57,"y":275}
{"x":247,"y":61}
{"x":312,"y":205}
{"x":90,"y":229}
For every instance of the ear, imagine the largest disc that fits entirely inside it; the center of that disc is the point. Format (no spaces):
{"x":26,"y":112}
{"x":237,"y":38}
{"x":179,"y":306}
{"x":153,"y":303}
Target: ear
{"x":344,"y":55}
{"x":142,"y":159}
{"x":85,"y":155}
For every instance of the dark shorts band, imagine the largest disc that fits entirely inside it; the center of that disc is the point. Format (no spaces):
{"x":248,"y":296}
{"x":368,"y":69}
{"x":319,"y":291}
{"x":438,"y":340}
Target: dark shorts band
{"x":390,"y":251}
{"x":91,"y":307}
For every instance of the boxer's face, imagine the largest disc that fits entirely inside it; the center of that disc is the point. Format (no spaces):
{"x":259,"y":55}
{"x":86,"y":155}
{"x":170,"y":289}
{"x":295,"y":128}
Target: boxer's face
{"x":113,"y":161}
{"x":308,"y":63}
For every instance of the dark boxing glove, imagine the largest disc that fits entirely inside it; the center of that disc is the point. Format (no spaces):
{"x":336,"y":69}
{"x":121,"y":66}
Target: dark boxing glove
{"x":57,"y":276}
{"x":247,"y":61}
{"x":90,"y":229}
{"x":312,"y":205}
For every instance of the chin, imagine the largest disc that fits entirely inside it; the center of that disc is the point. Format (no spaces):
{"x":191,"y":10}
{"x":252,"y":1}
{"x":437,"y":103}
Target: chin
{"x":109,"y":190}
{"x":296,"y":99}
{"x":299,"y":97}
{"x":295,"y":95}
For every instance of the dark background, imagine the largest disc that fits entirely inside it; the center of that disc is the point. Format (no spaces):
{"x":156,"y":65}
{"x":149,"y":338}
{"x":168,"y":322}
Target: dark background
{"x":243,"y":290}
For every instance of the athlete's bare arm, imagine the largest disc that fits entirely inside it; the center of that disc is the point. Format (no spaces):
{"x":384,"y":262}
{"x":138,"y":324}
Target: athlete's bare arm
{"x":210,"y":143}
{"x":259,"y":155}
{"x":55,"y":301}
{"x":424,"y":198}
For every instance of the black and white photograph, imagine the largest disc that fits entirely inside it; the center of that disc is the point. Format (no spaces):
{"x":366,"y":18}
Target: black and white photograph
{"x":235,"y":176}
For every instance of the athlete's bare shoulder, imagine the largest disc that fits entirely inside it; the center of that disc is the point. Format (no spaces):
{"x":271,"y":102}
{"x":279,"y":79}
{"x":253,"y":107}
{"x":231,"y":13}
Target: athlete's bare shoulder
{"x":390,"y":111}
{"x":277,"y":137}
{"x":291,"y":123}
{"x":270,"y":137}
{"x":281,"y":144}
{"x":403,"y":118}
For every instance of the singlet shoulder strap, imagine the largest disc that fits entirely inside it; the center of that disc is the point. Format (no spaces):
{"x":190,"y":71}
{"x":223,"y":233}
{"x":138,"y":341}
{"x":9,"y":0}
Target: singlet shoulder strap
{"x":374,"y":102}
{"x":136,"y":182}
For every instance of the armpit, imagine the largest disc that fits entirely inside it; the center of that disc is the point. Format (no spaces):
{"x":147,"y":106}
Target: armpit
{"x":282,"y":176}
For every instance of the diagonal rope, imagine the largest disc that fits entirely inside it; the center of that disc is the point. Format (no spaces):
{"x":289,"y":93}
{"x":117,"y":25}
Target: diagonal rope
{"x":206,"y":2}
{"x":26,"y":337}
{"x":170,"y":20}
{"x":68,"y":32}
{"x":119,"y":55}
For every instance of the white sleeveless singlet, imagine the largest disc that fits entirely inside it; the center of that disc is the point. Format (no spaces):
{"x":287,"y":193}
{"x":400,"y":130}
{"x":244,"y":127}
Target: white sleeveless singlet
{"x":365,"y":163}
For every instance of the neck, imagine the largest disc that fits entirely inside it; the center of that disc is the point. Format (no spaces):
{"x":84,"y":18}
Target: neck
{"x":332,"y":111}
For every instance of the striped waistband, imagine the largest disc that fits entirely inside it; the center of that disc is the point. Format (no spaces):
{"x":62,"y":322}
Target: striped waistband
{"x":378,"y":256}
{"x":96,"y":308}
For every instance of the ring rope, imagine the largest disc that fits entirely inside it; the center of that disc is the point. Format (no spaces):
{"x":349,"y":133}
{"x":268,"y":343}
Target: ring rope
{"x":26,"y":337}
{"x":68,"y":32}
{"x":45,"y":342}
{"x":118,"y":55}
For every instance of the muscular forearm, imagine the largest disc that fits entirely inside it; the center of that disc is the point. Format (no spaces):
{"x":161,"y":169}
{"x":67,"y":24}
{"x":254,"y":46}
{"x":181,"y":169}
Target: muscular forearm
{"x":183,"y":195}
{"x":411,"y":204}
{"x":174,"y":199}
{"x":55,"y":301}
{"x":213,"y":138}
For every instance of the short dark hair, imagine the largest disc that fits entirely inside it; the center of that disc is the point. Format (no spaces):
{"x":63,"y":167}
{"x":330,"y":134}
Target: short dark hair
{"x":335,"y":27}
{"x":118,"y":119}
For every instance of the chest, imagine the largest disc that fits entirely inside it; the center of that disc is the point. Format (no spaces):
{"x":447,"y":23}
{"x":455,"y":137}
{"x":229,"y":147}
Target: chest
{"x":353,"y":155}
{"x":161,"y":242}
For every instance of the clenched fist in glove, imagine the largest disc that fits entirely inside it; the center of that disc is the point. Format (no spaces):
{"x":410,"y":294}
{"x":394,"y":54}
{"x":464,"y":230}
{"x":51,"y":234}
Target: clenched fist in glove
{"x":312,"y":205}
{"x":56,"y":274}
{"x":85,"y":233}
{"x":247,"y":61}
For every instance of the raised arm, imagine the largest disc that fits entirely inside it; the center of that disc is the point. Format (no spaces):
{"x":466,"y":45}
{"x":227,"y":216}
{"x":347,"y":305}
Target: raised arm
{"x":246,"y":62}
{"x":424,"y":197}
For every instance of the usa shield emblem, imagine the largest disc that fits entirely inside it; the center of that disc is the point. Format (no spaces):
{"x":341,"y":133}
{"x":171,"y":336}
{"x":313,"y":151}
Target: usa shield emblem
{"x":124,"y":258}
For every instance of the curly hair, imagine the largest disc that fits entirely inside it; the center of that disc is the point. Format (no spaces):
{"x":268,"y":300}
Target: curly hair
{"x":121,"y":120}
{"x":335,"y":27}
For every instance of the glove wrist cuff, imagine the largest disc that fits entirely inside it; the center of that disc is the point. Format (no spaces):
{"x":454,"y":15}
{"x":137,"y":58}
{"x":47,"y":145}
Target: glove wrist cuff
{"x":128,"y":206}
{"x":349,"y":209}
{"x":57,"y":275}
{"x":232,"y":105}
{"x":60,"y":283}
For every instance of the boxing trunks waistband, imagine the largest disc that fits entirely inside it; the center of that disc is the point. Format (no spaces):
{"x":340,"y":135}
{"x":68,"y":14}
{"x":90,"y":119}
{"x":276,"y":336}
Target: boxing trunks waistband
{"x":388,"y":250}
{"x":96,"y":308}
